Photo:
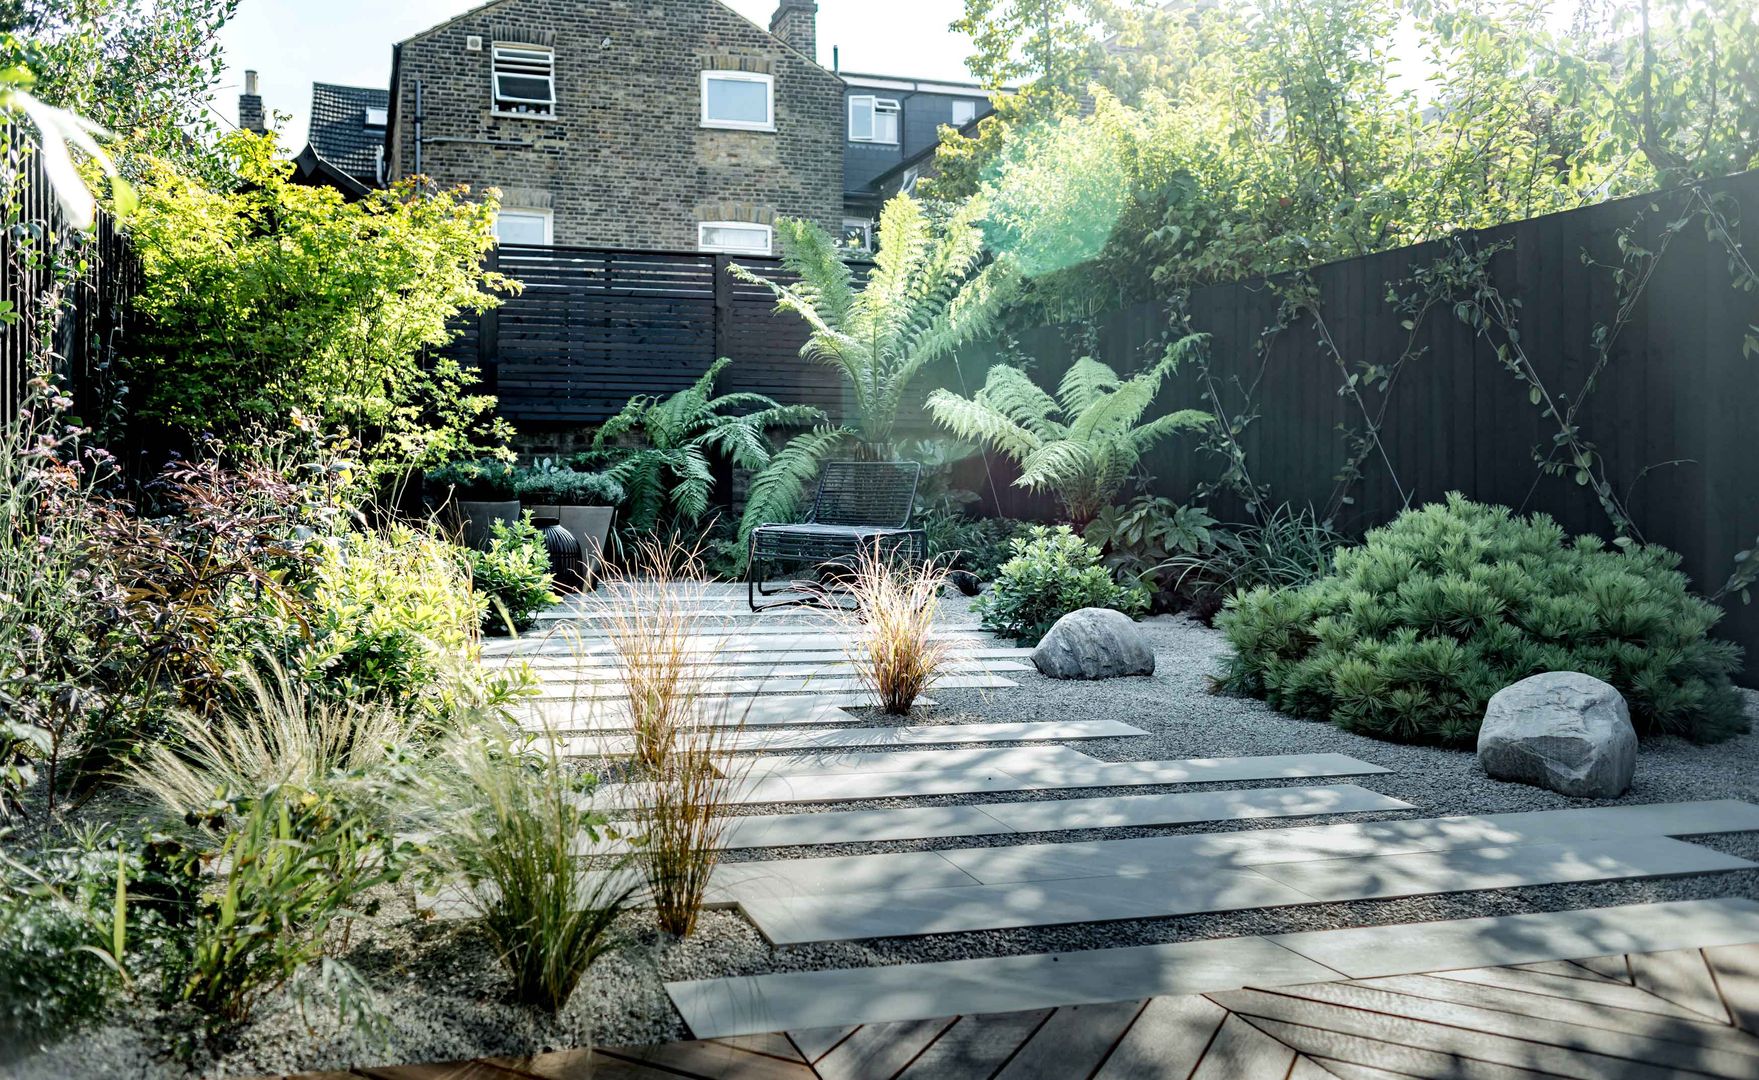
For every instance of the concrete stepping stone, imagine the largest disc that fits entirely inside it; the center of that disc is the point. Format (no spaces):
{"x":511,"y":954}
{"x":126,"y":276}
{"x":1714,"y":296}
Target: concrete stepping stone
{"x":845,"y":738}
{"x":760,"y":670}
{"x":988,"y":819}
{"x":1195,"y":888}
{"x":719,"y":687}
{"x":715,"y":1008}
{"x":780,"y":711}
{"x":726,"y":657}
{"x":839,"y":763}
{"x":810,"y":789}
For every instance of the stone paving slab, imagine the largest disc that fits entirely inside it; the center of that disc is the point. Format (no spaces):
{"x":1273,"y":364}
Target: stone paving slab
{"x":839,"y":763}
{"x":780,"y":685}
{"x":810,"y":789}
{"x":844,"y":738}
{"x":841,"y":998}
{"x":838,"y":669}
{"x":1199,"y":888}
{"x":718,"y":639}
{"x":612,"y":715}
{"x":987,"y":819}
{"x":725,"y":657}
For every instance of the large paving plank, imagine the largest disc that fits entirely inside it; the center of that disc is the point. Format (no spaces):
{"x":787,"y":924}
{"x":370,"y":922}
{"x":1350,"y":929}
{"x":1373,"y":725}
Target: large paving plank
{"x":811,"y":789}
{"x":738,"y":1006}
{"x":1011,"y":759}
{"x":783,"y":711}
{"x":768,"y":671}
{"x":1195,"y":887}
{"x":718,"y":642}
{"x":847,"y":738}
{"x":719,"y":687}
{"x":1336,"y":845}
{"x":722,"y":655}
{"x":988,"y":819}
{"x":1368,"y":952}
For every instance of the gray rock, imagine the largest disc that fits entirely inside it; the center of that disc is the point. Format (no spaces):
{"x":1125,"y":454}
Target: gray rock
{"x":1094,"y":643}
{"x":1562,"y":730}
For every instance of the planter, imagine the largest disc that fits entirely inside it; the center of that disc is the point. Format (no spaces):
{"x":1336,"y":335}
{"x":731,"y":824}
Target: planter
{"x":477,"y":518}
{"x":591,"y":525}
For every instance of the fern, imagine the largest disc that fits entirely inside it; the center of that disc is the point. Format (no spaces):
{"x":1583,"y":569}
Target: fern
{"x":776,"y":493}
{"x":1081,"y":444}
{"x":925,"y":297}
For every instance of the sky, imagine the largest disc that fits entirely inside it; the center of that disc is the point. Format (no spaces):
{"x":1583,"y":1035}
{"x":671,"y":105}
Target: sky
{"x":293,"y":43}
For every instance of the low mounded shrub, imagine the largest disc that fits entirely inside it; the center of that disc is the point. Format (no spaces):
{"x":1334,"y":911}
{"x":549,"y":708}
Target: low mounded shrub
{"x":1414,"y":630}
{"x":1052,"y":573}
{"x":514,"y":575}
{"x":547,"y":483}
{"x":477,"y":480}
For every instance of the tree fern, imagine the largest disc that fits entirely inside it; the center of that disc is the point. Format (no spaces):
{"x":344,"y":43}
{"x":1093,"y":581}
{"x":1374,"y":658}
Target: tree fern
{"x":927,"y":294}
{"x":779,"y":491}
{"x":1081,"y":444}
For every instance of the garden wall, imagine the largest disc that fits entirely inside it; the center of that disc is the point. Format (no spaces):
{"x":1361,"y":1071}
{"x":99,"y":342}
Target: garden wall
{"x":1673,"y":411}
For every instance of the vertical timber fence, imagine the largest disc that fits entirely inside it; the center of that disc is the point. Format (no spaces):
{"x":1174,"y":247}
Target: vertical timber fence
{"x":64,"y":294}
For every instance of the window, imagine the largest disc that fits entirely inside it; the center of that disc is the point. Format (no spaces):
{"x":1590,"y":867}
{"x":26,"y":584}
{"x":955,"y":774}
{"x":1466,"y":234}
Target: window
{"x":738,"y":99}
{"x":964,"y":112}
{"x":375,"y":118}
{"x":857,"y":234}
{"x":734,"y":237}
{"x":525,"y":80}
{"x":523,"y":227}
{"x":873,"y":119}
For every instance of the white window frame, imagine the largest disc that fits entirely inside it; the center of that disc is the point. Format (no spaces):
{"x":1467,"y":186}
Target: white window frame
{"x":957,"y":103}
{"x":376,"y":117}
{"x":546,"y":216}
{"x":769,"y":85}
{"x":769,"y":237}
{"x":504,"y":105}
{"x":866,"y":227}
{"x":874,"y":106}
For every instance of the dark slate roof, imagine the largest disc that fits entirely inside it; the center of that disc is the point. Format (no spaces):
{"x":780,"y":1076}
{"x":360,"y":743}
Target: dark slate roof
{"x":339,"y":133}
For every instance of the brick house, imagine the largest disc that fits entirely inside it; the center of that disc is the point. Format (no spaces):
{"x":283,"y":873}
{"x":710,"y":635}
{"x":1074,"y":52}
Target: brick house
{"x":632,"y":124}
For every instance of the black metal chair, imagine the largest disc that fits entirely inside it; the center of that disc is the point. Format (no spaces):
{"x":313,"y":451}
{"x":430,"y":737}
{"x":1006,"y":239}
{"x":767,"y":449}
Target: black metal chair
{"x":859,"y":506}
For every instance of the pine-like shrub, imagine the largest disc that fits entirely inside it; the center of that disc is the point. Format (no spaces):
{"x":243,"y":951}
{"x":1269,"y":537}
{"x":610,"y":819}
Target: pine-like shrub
{"x":1413,"y":631}
{"x":1052,"y":572}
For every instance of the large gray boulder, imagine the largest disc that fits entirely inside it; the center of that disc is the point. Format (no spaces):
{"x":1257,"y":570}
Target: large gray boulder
{"x":1562,"y":730}
{"x":1094,"y":643}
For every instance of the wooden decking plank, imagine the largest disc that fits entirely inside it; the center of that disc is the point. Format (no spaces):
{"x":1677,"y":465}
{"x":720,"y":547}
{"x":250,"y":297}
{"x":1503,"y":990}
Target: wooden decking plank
{"x":1378,"y":1057}
{"x":1636,"y":1042}
{"x":1167,"y":1040}
{"x":1308,"y":1069}
{"x":1616,"y":968}
{"x":1240,"y":1051}
{"x":1564,"y":969}
{"x":713,"y":1061}
{"x":1693,"y":1032}
{"x":814,"y":1043}
{"x":975,"y":1046}
{"x":1348,"y":1070}
{"x":775,"y":1044}
{"x":582,"y":1065}
{"x":1679,"y":976}
{"x":450,"y":1070}
{"x":879,"y":1051}
{"x":1072,"y":1042}
{"x":1736,"y":968}
{"x":1441,"y":1038}
{"x":1617,"y":995}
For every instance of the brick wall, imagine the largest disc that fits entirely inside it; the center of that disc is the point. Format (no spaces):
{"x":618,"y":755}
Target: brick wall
{"x":625,"y":161}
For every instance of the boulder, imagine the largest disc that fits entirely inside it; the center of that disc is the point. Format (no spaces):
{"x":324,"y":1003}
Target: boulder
{"x":1562,"y":730}
{"x":1094,"y":643}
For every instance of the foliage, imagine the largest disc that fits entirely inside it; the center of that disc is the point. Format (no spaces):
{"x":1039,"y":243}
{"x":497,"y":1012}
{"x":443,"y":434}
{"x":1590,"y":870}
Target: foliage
{"x":1286,"y":548}
{"x":928,"y":293}
{"x":513,"y":823}
{"x":486,"y":479}
{"x":547,"y":483}
{"x":1052,"y":572}
{"x":513,"y":576}
{"x":976,"y":545}
{"x":670,"y":475}
{"x":1414,"y":630}
{"x":895,"y":653}
{"x":1081,"y":444}
{"x":1142,"y":536}
{"x":290,"y":864}
{"x":395,"y":621}
{"x":683,"y":818}
{"x":266,"y":299}
{"x":63,"y":938}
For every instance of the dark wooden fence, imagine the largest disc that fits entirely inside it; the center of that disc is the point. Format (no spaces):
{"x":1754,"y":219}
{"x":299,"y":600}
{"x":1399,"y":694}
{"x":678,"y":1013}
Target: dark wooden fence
{"x":593,"y":327}
{"x":64,"y":294}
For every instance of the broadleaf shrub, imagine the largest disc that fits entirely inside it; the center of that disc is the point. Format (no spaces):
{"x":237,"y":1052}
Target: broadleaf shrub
{"x":1052,"y":573}
{"x":514,"y":575}
{"x":1414,"y":630}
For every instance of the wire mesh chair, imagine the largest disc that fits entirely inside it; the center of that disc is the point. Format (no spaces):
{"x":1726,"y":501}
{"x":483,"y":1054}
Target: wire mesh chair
{"x":859,"y":506}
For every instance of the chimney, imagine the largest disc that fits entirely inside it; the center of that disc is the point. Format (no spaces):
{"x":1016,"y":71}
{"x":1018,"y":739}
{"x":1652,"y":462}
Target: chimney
{"x":250,"y":106}
{"x":796,"y":23}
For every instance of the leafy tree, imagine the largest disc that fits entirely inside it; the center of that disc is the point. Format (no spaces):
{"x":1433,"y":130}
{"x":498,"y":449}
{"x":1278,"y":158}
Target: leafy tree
{"x":671,"y":474}
{"x":1081,"y":444}
{"x":267,"y":300}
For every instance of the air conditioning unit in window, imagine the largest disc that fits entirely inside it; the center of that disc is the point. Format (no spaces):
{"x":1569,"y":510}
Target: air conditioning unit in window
{"x":473,"y":43}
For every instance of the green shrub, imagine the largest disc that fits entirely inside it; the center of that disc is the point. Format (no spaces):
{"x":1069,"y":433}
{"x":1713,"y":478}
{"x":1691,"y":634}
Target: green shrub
{"x":1138,"y":539}
{"x":1414,"y":630}
{"x":395,"y":614}
{"x":550,"y":484}
{"x":1287,"y":548}
{"x":513,"y":574}
{"x":61,"y":946}
{"x":1052,"y":572}
{"x":976,"y":545}
{"x":475,"y":480}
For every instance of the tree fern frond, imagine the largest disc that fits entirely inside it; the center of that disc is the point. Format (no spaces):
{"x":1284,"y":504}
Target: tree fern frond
{"x":981,"y":422}
{"x":777,"y":493}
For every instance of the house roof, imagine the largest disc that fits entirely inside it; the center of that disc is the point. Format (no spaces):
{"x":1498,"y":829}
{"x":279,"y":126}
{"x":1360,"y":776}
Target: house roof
{"x":339,"y":132}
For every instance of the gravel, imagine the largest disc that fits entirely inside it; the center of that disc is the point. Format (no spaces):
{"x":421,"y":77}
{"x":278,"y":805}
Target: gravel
{"x":444,"y":988}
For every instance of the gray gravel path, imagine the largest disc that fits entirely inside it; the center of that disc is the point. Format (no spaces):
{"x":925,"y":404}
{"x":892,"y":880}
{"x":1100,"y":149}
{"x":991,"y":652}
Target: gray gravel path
{"x":445,"y":989}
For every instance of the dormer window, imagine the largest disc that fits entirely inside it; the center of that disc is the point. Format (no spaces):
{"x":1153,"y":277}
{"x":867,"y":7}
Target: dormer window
{"x":873,"y":119}
{"x":743,"y":100}
{"x":375,"y":118}
{"x":525,"y":80}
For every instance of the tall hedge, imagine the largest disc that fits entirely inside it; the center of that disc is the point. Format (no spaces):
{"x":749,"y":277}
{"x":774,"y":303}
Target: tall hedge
{"x":1413,"y":631}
